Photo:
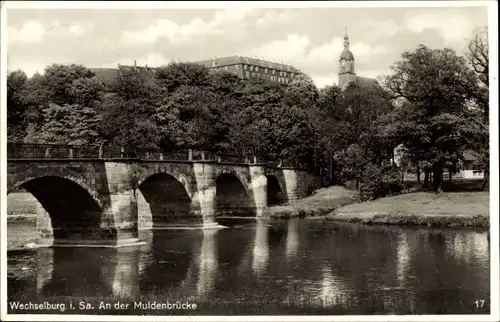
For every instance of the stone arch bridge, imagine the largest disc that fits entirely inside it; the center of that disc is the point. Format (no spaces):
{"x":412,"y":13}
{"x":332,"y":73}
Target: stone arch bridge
{"x":93,"y":196}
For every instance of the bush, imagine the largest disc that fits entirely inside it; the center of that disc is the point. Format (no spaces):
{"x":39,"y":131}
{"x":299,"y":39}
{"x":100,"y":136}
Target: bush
{"x":379,"y":181}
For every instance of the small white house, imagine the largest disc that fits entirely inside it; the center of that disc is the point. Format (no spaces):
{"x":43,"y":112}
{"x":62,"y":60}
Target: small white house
{"x":468,"y":172}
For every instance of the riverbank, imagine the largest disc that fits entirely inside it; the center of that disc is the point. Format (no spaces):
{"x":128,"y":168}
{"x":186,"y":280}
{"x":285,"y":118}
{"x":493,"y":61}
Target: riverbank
{"x":320,"y":203}
{"x":21,"y":204}
{"x":21,"y":232}
{"x":459,"y":209}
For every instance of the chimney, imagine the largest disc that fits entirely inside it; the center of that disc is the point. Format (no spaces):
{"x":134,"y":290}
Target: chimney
{"x":135,"y":63}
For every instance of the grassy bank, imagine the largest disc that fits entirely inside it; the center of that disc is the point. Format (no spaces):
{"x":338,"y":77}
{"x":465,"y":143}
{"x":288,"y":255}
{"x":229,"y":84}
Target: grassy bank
{"x":321,"y":202}
{"x":21,"y":203}
{"x":460,"y":209}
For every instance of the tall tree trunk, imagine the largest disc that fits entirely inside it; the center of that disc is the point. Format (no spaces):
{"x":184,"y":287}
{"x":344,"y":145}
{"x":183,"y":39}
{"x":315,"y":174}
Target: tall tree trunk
{"x":418,"y":174}
{"x":449,"y":175}
{"x":486,"y":179}
{"x":426,"y":178}
{"x":437,"y":176}
{"x":332,"y":177}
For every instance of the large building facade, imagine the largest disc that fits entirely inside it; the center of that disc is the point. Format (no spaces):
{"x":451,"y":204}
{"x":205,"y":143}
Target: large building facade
{"x":347,"y":74}
{"x":248,"y":68}
{"x":244,"y":67}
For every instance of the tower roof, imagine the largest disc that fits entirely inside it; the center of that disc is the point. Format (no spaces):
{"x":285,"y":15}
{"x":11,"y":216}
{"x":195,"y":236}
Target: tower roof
{"x":346,"y":53}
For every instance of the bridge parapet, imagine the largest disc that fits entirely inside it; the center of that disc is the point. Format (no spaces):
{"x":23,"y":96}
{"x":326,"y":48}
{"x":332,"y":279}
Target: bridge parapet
{"x":20,"y":151}
{"x":51,"y":151}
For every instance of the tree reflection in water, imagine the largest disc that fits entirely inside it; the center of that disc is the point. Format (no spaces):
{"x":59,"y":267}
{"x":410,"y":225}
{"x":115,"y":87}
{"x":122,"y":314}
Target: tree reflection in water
{"x":252,"y":265}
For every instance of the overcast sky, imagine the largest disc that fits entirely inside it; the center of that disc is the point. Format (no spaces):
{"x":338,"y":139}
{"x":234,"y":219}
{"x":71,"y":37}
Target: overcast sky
{"x":308,"y":38}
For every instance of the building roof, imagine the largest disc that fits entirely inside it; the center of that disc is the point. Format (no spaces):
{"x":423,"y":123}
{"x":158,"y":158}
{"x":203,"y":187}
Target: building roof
{"x":107,"y":76}
{"x":366,"y":81}
{"x":346,"y":54}
{"x":236,"y":60}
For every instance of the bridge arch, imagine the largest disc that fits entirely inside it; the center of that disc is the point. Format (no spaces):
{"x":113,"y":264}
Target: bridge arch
{"x":233,"y":197}
{"x":169,"y":201}
{"x":242,"y":175}
{"x":180,"y":176}
{"x":16,"y":181}
{"x":275,"y":192}
{"x":74,"y":213}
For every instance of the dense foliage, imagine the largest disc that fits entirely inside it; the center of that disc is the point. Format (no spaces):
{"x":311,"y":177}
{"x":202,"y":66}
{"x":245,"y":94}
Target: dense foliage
{"x":432,"y":108}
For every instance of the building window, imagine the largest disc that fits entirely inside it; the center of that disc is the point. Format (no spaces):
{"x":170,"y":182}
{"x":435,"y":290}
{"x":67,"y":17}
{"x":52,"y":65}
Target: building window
{"x":251,"y":68}
{"x":274,"y":71}
{"x":247,"y":74}
{"x":237,"y":66}
{"x":245,"y":67}
{"x":256,"y":68}
{"x":225,"y":67}
{"x":265,"y":70}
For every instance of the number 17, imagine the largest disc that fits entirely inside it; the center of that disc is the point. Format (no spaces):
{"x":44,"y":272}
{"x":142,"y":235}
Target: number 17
{"x":479,"y":303}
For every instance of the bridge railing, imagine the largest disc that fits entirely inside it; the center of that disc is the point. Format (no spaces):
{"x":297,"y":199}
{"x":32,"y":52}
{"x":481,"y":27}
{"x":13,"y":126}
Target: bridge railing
{"x":51,"y":151}
{"x":233,"y":158}
{"x":58,"y":151}
{"x":149,"y":154}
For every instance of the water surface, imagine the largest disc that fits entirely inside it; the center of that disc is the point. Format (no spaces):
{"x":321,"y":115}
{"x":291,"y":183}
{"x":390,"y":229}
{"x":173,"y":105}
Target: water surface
{"x":253,"y":267}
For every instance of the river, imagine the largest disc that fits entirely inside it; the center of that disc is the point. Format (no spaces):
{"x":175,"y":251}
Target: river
{"x":293,"y":267}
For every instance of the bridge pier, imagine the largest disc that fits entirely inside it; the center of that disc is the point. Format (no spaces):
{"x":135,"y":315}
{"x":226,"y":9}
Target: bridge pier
{"x":258,"y":185}
{"x":44,"y":227}
{"x":295,"y":183}
{"x":119,"y":223}
{"x":204,"y":197}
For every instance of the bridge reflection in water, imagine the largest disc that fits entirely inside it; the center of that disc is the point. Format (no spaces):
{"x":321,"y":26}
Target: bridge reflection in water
{"x":274,"y":267}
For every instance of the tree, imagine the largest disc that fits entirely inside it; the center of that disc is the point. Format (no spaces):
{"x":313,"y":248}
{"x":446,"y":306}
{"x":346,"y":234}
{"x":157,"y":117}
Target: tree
{"x":251,"y":121}
{"x":86,"y":91}
{"x":301,"y":92}
{"x":16,"y":107}
{"x":70,"y":124}
{"x":178,"y":74}
{"x":36,"y":98}
{"x":478,"y":54}
{"x":478,"y":57}
{"x":437,"y":85}
{"x":192,"y":118}
{"x":58,"y":81}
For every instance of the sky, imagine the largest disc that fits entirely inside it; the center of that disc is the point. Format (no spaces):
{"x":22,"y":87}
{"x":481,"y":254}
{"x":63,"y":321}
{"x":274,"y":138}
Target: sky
{"x":308,"y":38}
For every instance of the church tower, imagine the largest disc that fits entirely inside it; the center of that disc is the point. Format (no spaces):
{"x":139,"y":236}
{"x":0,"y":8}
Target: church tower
{"x":346,"y":66}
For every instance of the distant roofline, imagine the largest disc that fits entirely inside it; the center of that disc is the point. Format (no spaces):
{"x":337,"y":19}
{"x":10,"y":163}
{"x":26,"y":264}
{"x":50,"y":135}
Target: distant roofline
{"x":238,"y":59}
{"x":241,"y":60}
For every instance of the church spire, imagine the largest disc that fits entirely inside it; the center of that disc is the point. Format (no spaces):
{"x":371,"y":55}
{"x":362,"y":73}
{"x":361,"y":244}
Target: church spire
{"x":346,"y":64}
{"x":346,"y":39}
